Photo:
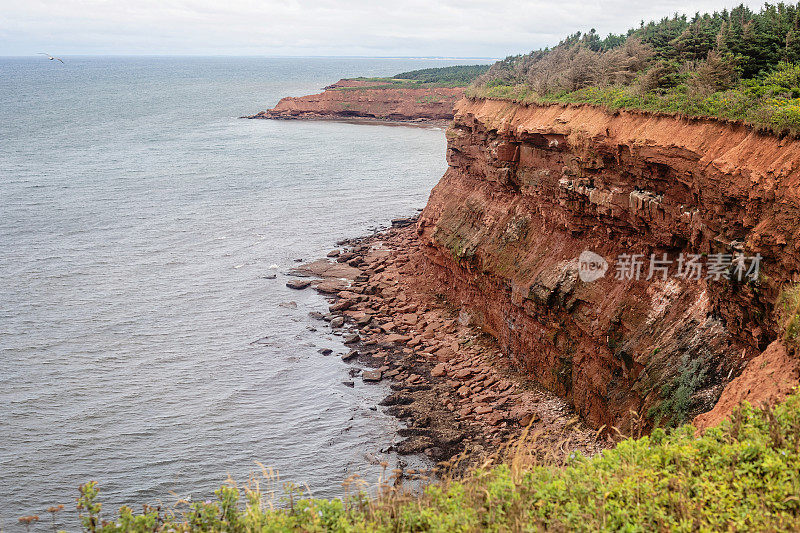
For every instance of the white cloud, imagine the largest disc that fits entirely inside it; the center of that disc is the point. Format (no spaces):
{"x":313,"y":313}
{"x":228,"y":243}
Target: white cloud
{"x":323,"y":27}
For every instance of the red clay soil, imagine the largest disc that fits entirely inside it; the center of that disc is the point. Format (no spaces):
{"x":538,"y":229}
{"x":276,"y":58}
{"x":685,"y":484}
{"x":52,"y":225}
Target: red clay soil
{"x":768,"y":378}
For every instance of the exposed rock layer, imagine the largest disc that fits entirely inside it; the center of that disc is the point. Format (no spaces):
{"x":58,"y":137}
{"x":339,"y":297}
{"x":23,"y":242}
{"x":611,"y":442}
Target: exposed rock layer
{"x":531,"y":187}
{"x":349,"y":99}
{"x":453,"y":388}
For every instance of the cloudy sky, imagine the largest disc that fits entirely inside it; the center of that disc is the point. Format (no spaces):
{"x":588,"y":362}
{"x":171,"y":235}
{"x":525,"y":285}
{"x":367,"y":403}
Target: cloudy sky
{"x":451,"y":28}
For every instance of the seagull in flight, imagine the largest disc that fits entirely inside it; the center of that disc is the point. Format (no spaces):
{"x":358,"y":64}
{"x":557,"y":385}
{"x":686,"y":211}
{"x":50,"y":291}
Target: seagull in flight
{"x":51,"y":57}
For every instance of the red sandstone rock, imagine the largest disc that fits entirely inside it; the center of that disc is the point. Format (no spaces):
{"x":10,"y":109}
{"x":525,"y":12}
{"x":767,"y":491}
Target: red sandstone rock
{"x":463,"y":373}
{"x":397,"y":339}
{"x":326,"y":269}
{"x":372,"y":103}
{"x":768,"y":378}
{"x":531,"y":187}
{"x":439,"y":371}
{"x":409,"y":319}
{"x":371,"y":376}
{"x":348,"y":295}
{"x":331,"y":286}
{"x":494,"y":418}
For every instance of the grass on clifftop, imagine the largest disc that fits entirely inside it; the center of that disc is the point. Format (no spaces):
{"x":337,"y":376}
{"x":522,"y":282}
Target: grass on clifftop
{"x":741,"y":476}
{"x":454,"y":76}
{"x":736,"y":64}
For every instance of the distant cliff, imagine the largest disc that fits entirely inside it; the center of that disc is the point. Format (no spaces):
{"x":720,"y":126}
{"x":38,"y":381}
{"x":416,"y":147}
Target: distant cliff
{"x":370,"y":99}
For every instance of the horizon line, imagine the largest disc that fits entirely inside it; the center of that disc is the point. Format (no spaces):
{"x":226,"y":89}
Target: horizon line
{"x":434,"y":57}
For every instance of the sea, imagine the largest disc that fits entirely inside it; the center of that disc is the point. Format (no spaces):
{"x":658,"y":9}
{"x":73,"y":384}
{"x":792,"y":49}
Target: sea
{"x":142,"y":343}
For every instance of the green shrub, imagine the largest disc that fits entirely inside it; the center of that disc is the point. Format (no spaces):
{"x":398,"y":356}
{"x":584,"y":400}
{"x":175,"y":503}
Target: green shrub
{"x":741,"y":476}
{"x":789,"y":317}
{"x":454,"y":76}
{"x":785,"y":76}
{"x":677,"y":395}
{"x":751,"y":103}
{"x":739,"y":64}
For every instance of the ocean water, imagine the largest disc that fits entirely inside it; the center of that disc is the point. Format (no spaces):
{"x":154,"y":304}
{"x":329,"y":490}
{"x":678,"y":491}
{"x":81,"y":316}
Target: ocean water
{"x":140,"y":344}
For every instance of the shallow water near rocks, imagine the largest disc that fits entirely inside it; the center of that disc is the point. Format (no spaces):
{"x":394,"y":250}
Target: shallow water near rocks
{"x":142,"y":344}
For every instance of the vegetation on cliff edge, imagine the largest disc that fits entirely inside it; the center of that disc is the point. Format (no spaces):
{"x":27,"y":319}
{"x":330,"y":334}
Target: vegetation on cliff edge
{"x":737,"y":64}
{"x":743,"y":475}
{"x":453,"y":76}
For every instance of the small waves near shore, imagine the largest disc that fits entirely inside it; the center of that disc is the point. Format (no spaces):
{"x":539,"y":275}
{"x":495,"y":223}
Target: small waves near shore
{"x":143,"y":345}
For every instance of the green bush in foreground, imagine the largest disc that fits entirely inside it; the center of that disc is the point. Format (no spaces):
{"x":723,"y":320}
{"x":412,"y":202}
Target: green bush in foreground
{"x":743,"y":475}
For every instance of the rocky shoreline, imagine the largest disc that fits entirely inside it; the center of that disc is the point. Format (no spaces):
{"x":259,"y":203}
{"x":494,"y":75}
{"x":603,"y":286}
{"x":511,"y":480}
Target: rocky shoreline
{"x":458,"y":395}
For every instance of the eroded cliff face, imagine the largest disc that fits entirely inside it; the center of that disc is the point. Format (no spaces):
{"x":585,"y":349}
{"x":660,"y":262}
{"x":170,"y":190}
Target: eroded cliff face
{"x":368,"y":100}
{"x":531,"y":187}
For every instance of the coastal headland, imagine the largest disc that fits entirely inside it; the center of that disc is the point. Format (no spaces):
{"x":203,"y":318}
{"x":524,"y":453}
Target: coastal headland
{"x":418,"y":97}
{"x":370,"y":101}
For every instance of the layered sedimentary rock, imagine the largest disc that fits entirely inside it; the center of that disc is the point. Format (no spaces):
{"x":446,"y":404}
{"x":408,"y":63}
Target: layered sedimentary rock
{"x":529,"y":188}
{"x":368,"y":100}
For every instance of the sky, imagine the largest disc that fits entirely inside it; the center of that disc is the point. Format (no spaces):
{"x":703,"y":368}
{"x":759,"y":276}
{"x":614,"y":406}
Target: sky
{"x":403,"y":28}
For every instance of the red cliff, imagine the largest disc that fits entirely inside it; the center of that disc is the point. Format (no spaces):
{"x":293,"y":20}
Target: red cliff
{"x":529,"y":188}
{"x":349,"y":99}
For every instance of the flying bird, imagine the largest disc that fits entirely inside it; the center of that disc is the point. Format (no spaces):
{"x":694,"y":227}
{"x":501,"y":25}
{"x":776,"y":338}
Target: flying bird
{"x":51,"y":58}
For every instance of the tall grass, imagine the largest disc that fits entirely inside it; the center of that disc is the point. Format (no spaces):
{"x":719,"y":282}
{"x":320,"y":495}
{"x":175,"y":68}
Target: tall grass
{"x":741,"y":476}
